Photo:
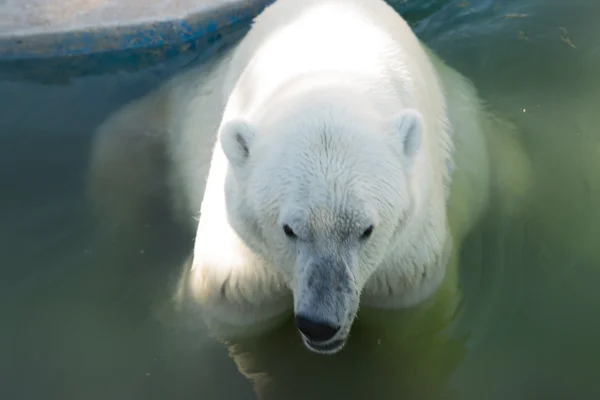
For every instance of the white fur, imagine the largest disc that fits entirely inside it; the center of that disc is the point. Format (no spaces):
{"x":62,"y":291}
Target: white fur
{"x":331,"y":116}
{"x":360,"y":71}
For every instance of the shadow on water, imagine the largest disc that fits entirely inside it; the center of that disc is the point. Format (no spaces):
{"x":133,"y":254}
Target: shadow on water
{"x":85,"y":317}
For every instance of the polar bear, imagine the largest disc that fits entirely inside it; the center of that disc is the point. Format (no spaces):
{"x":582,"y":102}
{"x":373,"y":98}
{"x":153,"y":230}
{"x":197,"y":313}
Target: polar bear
{"x":328,"y":161}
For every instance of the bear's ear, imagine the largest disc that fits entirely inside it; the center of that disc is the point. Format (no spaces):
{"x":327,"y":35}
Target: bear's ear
{"x":237,"y":137}
{"x":408,"y":126}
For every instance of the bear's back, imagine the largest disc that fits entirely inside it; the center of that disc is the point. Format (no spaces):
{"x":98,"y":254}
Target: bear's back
{"x":366,"y":38}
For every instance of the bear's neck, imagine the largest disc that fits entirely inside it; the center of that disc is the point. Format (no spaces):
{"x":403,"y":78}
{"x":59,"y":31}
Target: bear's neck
{"x":413,"y":270}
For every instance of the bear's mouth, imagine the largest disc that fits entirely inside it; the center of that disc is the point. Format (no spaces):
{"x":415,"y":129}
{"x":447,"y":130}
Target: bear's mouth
{"x":325,"y":348}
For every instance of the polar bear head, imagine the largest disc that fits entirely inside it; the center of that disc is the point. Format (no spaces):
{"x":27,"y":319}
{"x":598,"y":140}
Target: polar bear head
{"x":322,"y":188}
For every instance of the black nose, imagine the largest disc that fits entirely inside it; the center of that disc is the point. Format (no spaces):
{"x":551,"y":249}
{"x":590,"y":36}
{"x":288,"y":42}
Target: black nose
{"x":315,"y":331}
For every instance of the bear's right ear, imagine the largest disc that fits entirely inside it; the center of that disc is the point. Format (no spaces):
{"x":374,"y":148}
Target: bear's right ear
{"x":408,"y":125}
{"x":237,"y":137}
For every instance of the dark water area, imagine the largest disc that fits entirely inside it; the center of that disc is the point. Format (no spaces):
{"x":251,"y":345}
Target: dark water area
{"x":89,"y":317}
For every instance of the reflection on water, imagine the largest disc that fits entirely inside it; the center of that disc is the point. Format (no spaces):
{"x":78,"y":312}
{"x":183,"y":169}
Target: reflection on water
{"x":85,"y":318}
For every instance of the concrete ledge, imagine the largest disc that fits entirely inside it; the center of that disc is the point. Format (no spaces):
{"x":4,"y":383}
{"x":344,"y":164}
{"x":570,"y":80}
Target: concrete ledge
{"x":34,"y":29}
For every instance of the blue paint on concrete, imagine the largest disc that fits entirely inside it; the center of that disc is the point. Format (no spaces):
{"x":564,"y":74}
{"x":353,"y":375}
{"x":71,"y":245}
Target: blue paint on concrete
{"x":143,"y":35}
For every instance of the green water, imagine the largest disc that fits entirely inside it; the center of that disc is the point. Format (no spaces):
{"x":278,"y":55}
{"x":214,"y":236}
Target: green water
{"x":84,"y":318}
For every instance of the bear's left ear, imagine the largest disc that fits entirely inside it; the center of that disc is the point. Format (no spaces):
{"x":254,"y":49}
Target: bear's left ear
{"x":408,"y":128}
{"x":237,"y":137}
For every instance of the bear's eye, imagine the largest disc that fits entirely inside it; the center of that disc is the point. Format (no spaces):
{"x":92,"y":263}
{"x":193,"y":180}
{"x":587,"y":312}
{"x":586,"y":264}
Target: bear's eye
{"x":367,"y":233}
{"x":289,"y":232}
